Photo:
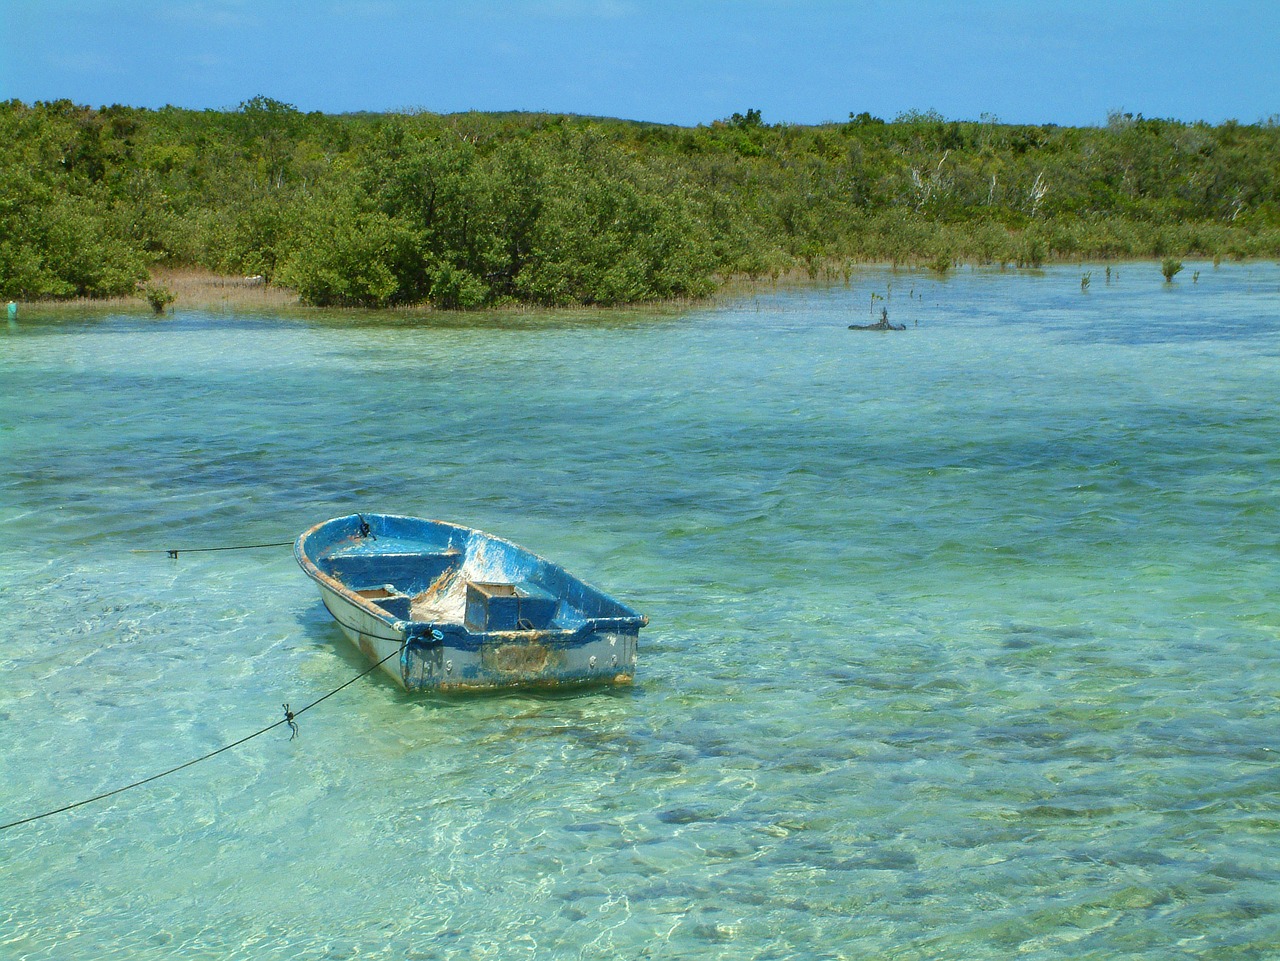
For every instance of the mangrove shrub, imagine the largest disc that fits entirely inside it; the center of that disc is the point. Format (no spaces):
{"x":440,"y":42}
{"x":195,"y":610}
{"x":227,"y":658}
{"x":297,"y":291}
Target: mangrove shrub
{"x":473,"y":210}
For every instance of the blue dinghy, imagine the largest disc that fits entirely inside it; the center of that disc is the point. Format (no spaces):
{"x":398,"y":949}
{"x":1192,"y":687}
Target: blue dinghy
{"x":464,"y":609}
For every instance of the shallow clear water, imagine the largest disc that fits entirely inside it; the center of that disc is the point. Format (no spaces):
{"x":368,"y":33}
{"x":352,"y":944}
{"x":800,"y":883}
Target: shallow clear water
{"x":962,"y":643}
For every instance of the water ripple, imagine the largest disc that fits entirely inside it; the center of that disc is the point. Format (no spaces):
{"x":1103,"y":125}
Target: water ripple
{"x":962,"y":640}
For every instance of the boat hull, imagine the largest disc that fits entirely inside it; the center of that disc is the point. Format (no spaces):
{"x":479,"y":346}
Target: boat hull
{"x":445,"y":608}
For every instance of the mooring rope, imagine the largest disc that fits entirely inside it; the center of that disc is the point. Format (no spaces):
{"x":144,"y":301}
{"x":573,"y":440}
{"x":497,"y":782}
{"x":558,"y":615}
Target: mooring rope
{"x":289,"y":719}
{"x":175,"y":551}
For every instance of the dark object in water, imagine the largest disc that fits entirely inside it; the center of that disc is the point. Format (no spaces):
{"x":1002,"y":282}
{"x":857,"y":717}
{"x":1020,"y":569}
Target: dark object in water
{"x":881,"y":324}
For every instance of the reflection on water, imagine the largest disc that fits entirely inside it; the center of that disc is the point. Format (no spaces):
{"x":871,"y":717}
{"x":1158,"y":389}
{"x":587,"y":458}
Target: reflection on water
{"x":962,"y":640}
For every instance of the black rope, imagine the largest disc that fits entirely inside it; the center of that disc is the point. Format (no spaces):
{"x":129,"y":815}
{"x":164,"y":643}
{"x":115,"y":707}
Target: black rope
{"x":288,"y":719}
{"x":174,"y":552}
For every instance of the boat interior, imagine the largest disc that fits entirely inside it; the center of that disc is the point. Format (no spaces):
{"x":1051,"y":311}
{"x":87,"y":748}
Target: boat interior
{"x":434,"y":587}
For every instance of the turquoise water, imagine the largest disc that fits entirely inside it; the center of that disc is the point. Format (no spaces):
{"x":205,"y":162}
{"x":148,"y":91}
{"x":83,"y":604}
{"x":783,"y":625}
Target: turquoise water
{"x":962,"y":642}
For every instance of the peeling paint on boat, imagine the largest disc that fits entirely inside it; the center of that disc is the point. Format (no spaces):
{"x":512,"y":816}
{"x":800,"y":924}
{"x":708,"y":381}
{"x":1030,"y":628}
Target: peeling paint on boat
{"x":465,"y":610}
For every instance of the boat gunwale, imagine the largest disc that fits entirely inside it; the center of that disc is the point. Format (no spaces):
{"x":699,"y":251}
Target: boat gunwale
{"x":335,"y":586}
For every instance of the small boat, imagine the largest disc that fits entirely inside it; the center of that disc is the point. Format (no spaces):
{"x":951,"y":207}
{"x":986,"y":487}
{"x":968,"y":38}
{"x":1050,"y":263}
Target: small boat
{"x":465,"y":610}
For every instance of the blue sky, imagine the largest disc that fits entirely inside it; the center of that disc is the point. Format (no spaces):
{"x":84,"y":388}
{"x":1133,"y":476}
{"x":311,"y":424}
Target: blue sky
{"x":672,"y":61}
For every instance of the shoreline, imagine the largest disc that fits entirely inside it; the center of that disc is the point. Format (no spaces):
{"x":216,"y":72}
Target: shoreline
{"x":196,"y":288}
{"x":191,"y":287}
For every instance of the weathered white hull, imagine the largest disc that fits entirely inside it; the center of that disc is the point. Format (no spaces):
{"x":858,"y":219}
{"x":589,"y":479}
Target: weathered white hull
{"x":609,"y":657}
{"x":371,"y":634}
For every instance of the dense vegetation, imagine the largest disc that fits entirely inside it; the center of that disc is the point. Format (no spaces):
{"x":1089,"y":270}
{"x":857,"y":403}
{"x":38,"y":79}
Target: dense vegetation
{"x":473,"y":210}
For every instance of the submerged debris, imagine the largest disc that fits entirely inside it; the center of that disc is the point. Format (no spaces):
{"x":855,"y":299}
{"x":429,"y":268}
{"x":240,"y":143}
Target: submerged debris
{"x":881,"y":324}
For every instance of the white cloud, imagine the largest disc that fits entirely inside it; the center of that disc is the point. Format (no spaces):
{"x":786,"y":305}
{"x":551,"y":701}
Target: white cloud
{"x":82,"y":62}
{"x":219,"y":14}
{"x":562,"y":9}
